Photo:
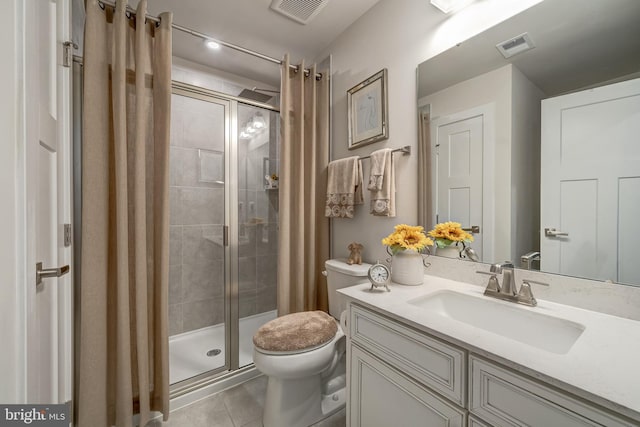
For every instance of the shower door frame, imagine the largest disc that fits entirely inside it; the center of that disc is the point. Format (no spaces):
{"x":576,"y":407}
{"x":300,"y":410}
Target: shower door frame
{"x":231,"y":367}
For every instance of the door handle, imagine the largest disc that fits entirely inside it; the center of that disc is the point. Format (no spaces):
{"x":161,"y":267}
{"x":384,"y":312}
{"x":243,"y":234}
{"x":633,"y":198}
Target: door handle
{"x":43,"y":273}
{"x":474,"y":229}
{"x":552,"y":232}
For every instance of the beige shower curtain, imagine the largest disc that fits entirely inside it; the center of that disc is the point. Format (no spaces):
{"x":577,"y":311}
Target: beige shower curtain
{"x":425,"y":202}
{"x":304,"y":230}
{"x":123,"y":354}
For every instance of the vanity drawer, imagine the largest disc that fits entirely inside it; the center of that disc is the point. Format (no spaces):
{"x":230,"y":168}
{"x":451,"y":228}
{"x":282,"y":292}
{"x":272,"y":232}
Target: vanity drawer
{"x":432,"y":362}
{"x":380,"y":396}
{"x":505,"y":398}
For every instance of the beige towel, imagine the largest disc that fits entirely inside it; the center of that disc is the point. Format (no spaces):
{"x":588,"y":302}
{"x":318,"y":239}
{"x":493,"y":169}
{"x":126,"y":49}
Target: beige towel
{"x":376,"y":175}
{"x":344,"y":187}
{"x":383,"y":202}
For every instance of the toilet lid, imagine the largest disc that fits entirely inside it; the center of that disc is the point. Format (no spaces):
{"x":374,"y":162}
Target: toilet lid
{"x":296,"y":331}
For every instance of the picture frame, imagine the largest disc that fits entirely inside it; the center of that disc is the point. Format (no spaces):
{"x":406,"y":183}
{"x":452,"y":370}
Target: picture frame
{"x":368,"y":111}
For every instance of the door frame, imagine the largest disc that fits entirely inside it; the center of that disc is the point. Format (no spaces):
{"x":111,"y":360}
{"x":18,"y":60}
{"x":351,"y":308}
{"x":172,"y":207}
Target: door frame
{"x":487,"y":112}
{"x":20,"y":307}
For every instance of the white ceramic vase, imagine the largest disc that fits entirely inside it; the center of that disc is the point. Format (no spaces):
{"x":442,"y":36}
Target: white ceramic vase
{"x":407,"y":268}
{"x":451,"y":251}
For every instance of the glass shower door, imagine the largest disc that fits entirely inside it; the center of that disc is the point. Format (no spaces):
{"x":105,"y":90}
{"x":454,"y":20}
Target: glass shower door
{"x":257,"y":152}
{"x":199,"y":267}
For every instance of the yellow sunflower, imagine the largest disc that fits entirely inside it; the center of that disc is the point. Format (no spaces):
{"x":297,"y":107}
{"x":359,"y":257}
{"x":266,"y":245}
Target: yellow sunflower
{"x":407,"y":237}
{"x":446,"y":233}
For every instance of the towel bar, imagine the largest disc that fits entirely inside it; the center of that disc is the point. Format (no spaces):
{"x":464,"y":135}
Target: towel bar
{"x":404,"y":150}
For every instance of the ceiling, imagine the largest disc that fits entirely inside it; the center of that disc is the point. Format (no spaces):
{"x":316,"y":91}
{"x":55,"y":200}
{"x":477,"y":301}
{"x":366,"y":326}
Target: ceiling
{"x":577,"y":43}
{"x":253,"y":25}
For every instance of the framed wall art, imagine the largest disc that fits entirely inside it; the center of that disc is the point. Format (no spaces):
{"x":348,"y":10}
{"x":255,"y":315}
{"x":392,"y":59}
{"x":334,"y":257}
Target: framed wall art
{"x":368,"y":111}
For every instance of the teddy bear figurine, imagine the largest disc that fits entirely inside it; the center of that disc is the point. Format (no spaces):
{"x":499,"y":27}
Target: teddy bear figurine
{"x":355,"y":255}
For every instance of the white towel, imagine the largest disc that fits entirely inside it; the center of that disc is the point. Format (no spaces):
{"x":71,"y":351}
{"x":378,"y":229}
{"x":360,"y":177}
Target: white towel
{"x":378,"y":161}
{"x":344,"y":187}
{"x":383,"y":201}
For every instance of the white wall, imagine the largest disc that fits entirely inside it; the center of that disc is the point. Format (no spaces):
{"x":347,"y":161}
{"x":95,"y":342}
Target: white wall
{"x":525,"y":170}
{"x":195,"y":74}
{"x":397,"y":35}
{"x":11,"y":150}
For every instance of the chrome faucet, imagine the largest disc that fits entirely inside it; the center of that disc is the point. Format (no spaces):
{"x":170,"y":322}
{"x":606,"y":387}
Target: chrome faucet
{"x":508,"y":290}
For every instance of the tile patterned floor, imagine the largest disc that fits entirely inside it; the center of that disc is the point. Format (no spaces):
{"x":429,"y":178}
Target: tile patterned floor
{"x":240,"y":406}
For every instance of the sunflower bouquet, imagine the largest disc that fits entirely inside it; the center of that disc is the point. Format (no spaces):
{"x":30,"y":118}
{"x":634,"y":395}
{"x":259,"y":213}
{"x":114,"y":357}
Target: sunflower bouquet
{"x":447,"y":233}
{"x":407,"y":237}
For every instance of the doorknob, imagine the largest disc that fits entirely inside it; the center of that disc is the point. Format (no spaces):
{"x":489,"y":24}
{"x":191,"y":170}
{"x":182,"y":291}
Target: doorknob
{"x":552,"y":232}
{"x":474,"y":229}
{"x":43,"y":273}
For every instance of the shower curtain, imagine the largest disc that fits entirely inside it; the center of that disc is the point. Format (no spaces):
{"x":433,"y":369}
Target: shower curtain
{"x":425,"y":202}
{"x":303,"y":243}
{"x":123,"y":354}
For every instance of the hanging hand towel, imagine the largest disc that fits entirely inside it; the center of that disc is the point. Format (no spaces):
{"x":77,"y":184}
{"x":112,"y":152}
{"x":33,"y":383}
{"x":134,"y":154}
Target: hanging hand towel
{"x":344,"y":187}
{"x":378,"y":160}
{"x":383,"y":201}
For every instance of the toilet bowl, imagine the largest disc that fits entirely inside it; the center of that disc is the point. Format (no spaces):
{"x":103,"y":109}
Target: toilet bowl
{"x":307,"y":383}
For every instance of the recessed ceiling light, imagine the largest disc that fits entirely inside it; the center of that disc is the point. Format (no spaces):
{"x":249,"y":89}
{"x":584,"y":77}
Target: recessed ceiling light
{"x":448,"y":6}
{"x":212,"y":44}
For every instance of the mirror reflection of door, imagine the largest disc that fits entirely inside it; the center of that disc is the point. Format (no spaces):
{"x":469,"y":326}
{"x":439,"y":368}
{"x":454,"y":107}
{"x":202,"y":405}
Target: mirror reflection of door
{"x":458,"y":145}
{"x":590,"y":183}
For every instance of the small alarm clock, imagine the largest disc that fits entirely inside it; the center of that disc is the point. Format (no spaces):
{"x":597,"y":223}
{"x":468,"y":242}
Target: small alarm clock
{"x":379,"y":275}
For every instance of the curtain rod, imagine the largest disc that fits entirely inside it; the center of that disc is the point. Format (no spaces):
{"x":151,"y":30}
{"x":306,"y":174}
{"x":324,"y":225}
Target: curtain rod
{"x":205,"y":37}
{"x":404,"y":150}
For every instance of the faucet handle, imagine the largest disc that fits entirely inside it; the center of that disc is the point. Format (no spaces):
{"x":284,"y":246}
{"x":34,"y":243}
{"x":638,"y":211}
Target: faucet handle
{"x":493,"y":285}
{"x":525,"y":296}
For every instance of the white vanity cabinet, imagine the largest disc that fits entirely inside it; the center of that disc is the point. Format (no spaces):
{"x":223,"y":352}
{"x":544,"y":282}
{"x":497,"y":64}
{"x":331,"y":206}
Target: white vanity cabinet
{"x":400,"y":376}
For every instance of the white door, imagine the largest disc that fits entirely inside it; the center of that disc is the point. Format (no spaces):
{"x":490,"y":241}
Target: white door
{"x":459,"y":148}
{"x":48,"y":162}
{"x":590,"y":183}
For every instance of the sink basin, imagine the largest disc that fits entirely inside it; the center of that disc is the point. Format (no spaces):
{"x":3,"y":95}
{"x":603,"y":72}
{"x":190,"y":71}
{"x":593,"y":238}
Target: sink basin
{"x":503,"y":318}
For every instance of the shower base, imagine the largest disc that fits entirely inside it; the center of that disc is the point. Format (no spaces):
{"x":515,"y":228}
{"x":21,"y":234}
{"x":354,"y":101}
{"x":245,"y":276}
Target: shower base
{"x":188,"y":351}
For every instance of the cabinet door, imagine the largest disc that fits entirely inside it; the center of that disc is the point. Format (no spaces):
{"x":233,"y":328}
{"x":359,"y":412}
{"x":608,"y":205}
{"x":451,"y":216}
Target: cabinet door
{"x":432,"y":362}
{"x":475,"y":422}
{"x":380,"y":396}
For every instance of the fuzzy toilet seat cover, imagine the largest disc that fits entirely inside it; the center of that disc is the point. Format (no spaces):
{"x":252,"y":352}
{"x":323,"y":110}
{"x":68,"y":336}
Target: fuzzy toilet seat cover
{"x":296,"y":331}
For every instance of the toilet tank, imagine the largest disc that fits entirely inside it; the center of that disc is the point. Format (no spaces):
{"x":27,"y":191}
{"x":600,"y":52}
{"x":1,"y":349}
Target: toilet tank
{"x":340,"y":275}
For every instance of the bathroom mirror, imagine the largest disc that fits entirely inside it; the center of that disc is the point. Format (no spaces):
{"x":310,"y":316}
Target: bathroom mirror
{"x":506,"y":142}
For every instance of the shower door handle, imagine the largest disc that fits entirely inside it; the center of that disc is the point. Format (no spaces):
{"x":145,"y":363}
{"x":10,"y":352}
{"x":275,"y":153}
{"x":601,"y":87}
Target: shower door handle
{"x":43,"y":273}
{"x":225,"y":235}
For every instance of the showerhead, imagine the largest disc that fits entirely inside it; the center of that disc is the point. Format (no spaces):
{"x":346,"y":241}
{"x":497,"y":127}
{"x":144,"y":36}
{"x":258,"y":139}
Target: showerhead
{"x":254,"y":96}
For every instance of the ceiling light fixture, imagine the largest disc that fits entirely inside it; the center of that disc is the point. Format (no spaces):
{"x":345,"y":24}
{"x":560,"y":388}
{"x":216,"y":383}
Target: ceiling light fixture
{"x":258,"y":121}
{"x":211,"y":44}
{"x":448,"y":6}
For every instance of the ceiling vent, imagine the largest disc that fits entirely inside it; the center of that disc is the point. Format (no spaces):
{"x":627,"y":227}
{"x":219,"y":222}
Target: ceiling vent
{"x":301,"y":11}
{"x":515,"y":45}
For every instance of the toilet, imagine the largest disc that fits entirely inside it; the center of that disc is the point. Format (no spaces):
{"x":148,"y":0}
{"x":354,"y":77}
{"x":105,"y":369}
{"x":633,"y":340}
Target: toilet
{"x":303,"y":356}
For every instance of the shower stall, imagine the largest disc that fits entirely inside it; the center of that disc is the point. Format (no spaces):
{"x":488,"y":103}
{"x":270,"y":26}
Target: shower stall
{"x":223,"y":230}
{"x":224,"y":155}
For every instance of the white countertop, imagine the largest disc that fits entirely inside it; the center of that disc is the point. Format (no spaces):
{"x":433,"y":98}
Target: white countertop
{"x":603,"y":365}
